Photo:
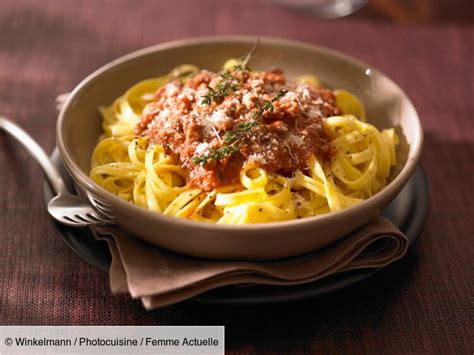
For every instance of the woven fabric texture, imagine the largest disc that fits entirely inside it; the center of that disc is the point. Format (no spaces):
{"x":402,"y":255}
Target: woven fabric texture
{"x":423,"y":303}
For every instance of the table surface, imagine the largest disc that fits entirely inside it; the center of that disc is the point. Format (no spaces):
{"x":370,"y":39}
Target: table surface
{"x":423,"y":303}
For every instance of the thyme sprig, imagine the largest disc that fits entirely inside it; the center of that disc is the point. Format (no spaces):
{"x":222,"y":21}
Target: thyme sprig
{"x":244,"y":65}
{"x":242,"y":130}
{"x":268,"y":104}
{"x":233,"y":137}
{"x":218,"y":94}
{"x":215,"y":154}
{"x":229,"y":82}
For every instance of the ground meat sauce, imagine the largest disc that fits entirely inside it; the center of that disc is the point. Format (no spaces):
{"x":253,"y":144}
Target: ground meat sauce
{"x":283,"y":123}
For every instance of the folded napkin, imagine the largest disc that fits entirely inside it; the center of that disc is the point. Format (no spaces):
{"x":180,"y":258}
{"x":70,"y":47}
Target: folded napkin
{"x":160,"y":278}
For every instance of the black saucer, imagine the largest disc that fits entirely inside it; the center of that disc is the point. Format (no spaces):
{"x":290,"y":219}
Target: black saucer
{"x":408,"y":211}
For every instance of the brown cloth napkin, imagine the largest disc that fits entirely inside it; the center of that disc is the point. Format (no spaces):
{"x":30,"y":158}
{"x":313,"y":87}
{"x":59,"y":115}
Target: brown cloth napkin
{"x":161,"y":278}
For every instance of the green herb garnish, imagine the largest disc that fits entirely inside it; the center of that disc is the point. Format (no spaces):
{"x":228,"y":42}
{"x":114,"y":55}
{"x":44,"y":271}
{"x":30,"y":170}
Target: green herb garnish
{"x":233,"y":137}
{"x":230,"y":138}
{"x":215,"y":154}
{"x":243,"y":66}
{"x":237,"y":134}
{"x":268,"y":105}
{"x":228,"y":82}
{"x":222,"y":90}
{"x":207,"y":99}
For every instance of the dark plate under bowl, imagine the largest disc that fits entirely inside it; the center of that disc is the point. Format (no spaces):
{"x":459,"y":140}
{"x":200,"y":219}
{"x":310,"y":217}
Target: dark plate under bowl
{"x":408,"y":211}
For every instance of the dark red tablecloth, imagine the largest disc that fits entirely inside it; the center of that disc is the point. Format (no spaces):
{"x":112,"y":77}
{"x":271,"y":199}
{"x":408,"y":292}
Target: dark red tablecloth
{"x":423,"y":303}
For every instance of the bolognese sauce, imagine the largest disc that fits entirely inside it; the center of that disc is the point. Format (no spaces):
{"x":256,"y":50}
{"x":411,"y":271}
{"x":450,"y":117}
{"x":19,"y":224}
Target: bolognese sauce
{"x":216,"y":123}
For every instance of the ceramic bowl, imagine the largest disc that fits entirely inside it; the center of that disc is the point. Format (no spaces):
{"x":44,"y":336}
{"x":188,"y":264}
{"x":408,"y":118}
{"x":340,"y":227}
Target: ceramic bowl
{"x":79,"y":126}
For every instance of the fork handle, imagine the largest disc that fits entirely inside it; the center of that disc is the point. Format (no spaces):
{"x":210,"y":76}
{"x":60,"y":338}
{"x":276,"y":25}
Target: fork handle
{"x":36,"y":152}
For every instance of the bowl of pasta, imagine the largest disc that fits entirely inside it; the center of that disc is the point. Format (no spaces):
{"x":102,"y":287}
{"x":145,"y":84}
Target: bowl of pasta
{"x":237,"y":148}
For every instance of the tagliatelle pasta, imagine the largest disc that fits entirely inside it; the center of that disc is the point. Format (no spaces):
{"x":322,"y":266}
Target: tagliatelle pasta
{"x":240,"y":147}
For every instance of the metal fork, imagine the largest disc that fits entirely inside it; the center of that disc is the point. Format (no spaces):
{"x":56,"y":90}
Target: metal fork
{"x":65,"y":208}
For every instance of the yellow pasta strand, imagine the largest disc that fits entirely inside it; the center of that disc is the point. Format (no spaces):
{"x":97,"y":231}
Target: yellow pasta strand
{"x":142,"y":173}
